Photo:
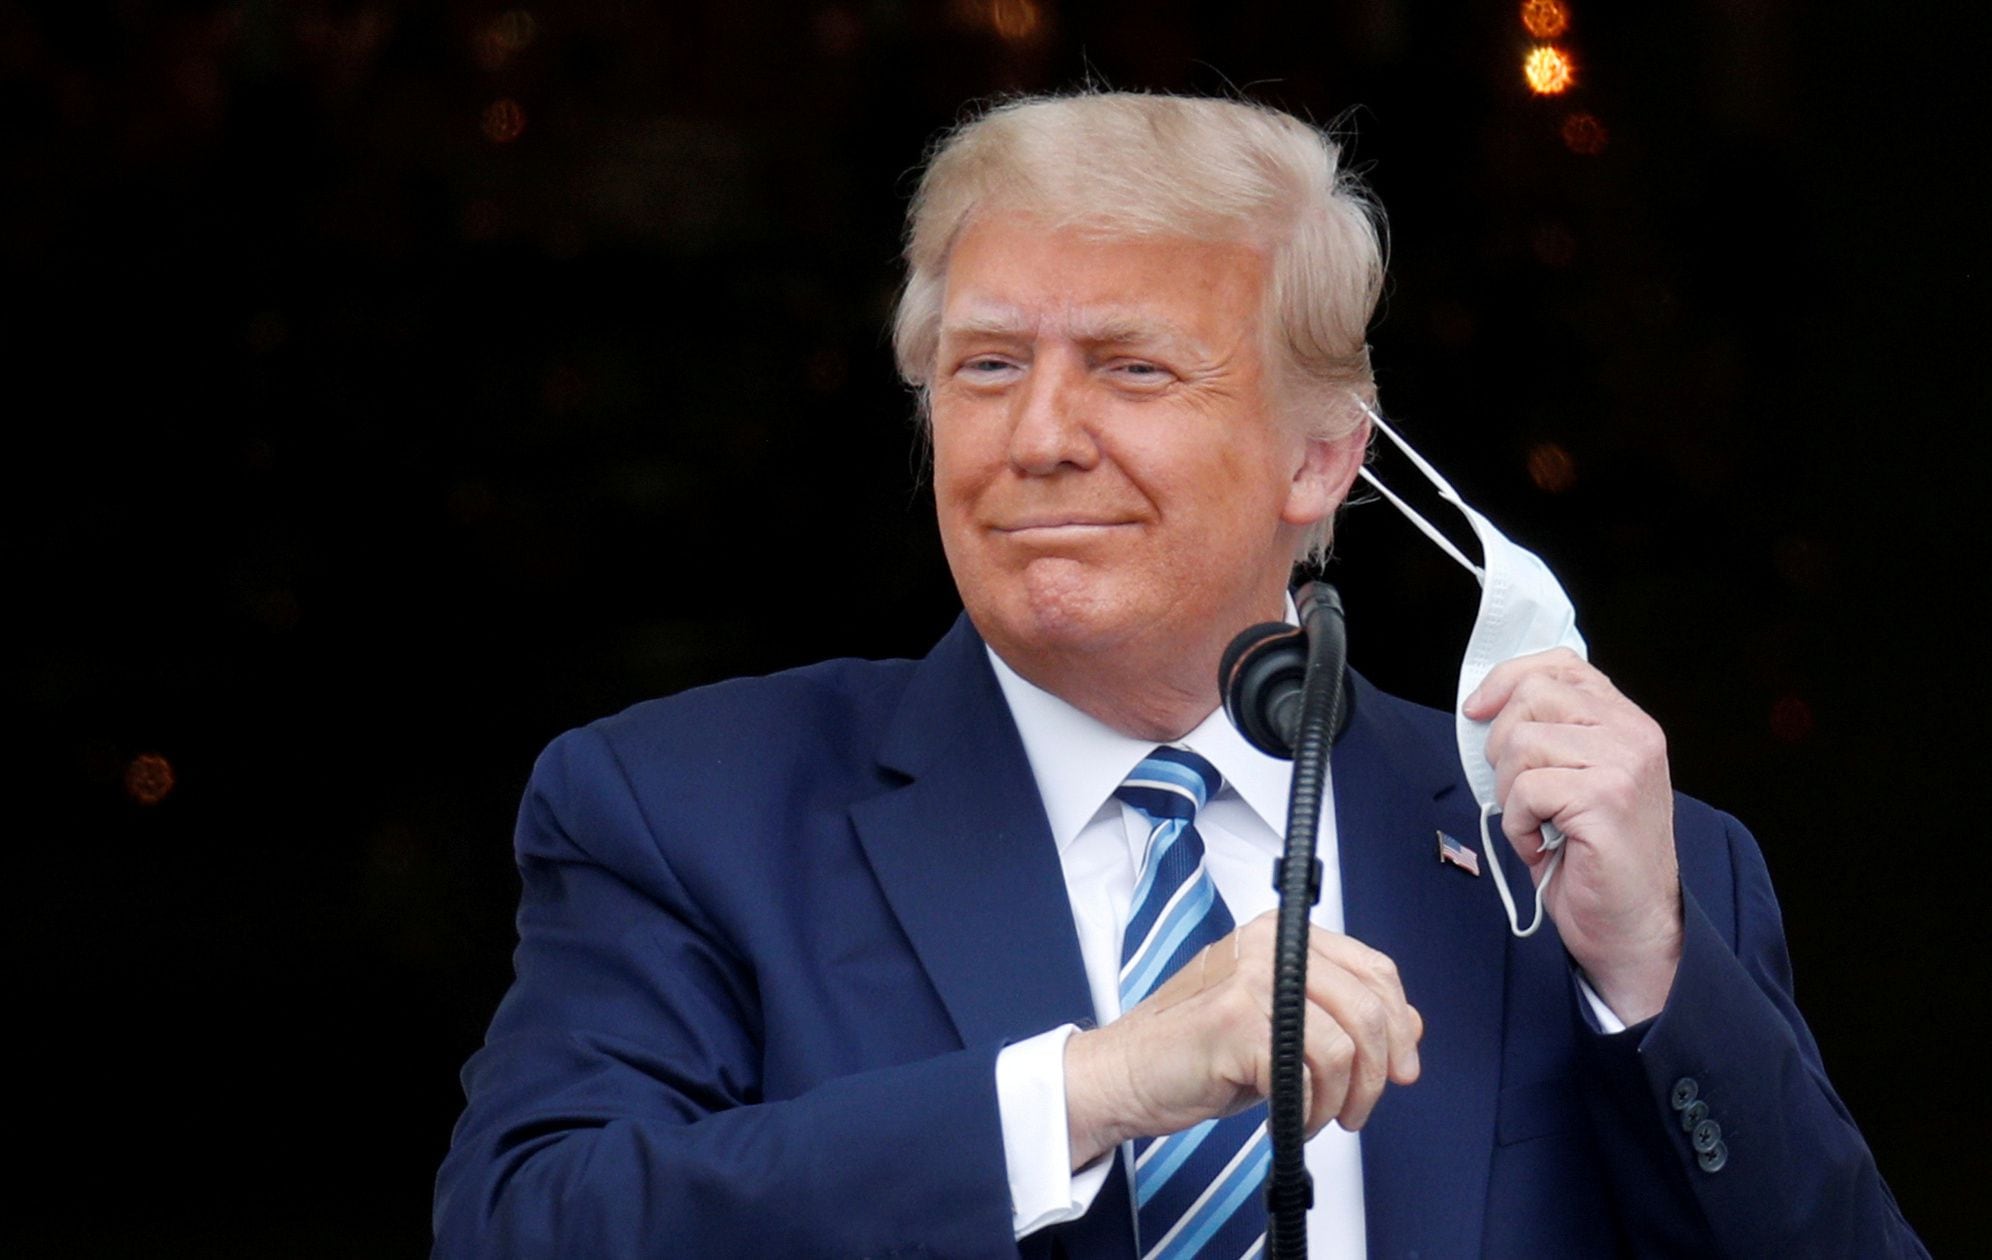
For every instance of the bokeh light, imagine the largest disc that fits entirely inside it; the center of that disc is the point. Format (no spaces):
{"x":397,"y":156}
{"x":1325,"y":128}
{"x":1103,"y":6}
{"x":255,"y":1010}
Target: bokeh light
{"x":504,"y":120}
{"x":1012,"y":20}
{"x":1583,"y":133}
{"x":1549,"y":70}
{"x":1545,"y":19}
{"x":1015,"y":20}
{"x":1551,"y":468}
{"x":148,"y":779}
{"x":498,"y":40}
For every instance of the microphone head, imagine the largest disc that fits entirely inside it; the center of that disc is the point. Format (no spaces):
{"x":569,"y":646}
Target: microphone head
{"x":1260,"y":677}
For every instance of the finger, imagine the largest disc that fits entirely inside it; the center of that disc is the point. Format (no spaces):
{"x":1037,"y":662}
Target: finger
{"x":1499,"y":684}
{"x":1251,"y":948}
{"x":1359,"y":1014}
{"x":1529,"y":745}
{"x":1357,"y":985}
{"x":1538,"y":796}
{"x":1379,"y":1022}
{"x":1326,"y":1064}
{"x":1550,"y":698}
{"x":1377,"y":973}
{"x":1259,"y":931}
{"x":1539,"y":699}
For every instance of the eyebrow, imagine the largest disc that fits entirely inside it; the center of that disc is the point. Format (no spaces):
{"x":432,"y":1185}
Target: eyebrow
{"x":1088,"y":327}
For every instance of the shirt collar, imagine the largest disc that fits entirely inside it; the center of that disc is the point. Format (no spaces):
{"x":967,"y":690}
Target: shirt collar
{"x":1079,"y":760}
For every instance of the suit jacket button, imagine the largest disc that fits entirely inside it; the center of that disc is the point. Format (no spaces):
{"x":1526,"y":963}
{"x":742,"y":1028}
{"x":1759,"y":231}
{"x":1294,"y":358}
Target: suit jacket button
{"x":1712,"y":1159}
{"x":1708,"y":1136}
{"x":1696,"y":1112}
{"x":1686,"y":1090}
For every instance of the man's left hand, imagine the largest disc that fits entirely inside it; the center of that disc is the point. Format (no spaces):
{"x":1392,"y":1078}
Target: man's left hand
{"x":1567,"y":748}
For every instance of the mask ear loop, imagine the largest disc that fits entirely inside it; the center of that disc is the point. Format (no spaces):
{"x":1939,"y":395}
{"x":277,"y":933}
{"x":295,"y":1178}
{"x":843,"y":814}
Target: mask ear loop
{"x":1555,"y":848}
{"x":1425,"y":527}
{"x":1438,"y":483}
{"x":1422,"y":464}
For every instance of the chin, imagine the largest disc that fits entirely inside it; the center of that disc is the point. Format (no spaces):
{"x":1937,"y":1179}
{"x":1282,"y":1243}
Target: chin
{"x":1063,"y":605}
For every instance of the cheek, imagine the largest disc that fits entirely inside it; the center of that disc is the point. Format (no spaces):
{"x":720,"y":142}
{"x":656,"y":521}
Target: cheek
{"x":1228,"y":509}
{"x":951,"y":465}
{"x":1219,"y":485}
{"x":961,"y":482}
{"x":960,"y":432}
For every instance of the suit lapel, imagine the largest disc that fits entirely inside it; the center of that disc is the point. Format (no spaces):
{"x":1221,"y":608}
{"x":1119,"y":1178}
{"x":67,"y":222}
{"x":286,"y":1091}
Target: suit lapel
{"x":1428,"y":1148}
{"x":966,"y":858}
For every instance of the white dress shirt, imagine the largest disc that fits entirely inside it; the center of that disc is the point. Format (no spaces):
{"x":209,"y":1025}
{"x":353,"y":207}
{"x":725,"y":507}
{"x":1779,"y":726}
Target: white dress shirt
{"x":1078,"y":762}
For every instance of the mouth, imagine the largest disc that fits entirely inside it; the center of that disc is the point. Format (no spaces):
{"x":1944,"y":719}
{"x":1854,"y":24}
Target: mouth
{"x":1058,"y":527}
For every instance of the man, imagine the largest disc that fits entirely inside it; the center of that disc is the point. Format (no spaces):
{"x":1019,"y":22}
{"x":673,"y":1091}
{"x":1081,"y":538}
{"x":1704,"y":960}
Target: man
{"x":944,"y":958}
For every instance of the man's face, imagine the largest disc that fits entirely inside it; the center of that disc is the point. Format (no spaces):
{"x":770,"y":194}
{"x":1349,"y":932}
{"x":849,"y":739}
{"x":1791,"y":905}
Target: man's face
{"x":1111,"y":481}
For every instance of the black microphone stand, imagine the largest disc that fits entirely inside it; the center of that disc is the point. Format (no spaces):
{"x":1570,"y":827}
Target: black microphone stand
{"x":1283,"y":689}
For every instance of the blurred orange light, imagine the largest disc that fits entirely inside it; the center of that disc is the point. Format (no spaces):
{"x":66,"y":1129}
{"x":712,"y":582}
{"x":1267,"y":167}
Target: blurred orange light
{"x":1551,"y":468}
{"x":148,"y":778}
{"x":1015,"y":20}
{"x":502,"y":36}
{"x":516,"y":28}
{"x":1583,"y":133}
{"x":1545,"y":19}
{"x":1548,"y":70}
{"x":489,"y":51}
{"x":504,"y":120}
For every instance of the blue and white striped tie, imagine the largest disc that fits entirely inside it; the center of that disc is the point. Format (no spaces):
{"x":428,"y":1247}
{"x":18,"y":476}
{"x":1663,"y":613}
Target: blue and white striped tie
{"x":1198,"y":1192}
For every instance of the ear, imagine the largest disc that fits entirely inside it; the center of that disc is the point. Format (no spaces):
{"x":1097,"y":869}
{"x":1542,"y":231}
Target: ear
{"x":1326,"y":471}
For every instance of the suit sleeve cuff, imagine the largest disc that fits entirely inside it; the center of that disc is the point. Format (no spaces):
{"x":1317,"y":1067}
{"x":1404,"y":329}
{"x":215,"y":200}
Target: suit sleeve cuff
{"x":1600,"y":1016}
{"x":1030,"y":1101}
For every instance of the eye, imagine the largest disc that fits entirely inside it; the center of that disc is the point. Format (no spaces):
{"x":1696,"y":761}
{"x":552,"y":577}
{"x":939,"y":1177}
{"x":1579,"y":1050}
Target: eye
{"x":986,"y":371}
{"x":1140,"y":373}
{"x":990,"y":364}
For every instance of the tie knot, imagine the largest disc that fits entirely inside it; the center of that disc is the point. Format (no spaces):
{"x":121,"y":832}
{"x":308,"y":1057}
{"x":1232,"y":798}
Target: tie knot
{"x":1171,"y":783}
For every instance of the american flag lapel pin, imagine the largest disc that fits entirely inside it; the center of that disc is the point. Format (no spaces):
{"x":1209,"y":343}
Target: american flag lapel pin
{"x":1451,"y":850}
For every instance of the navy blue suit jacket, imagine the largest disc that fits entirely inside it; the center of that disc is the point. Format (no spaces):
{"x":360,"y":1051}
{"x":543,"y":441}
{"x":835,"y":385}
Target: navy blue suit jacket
{"x":774,"y":933}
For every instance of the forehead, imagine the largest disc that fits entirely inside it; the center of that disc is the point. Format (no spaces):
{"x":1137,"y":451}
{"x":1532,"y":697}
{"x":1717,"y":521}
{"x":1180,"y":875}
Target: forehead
{"x":1011,"y":273}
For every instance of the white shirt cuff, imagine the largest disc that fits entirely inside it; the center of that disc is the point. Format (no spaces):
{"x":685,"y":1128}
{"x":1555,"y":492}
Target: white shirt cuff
{"x":1607,"y":1020}
{"x":1030,"y":1101}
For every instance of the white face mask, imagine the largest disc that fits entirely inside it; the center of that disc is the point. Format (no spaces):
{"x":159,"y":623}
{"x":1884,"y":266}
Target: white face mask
{"x":1523,"y":609}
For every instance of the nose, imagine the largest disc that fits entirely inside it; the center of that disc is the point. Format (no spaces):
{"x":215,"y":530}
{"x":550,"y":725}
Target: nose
{"x":1051,"y":426}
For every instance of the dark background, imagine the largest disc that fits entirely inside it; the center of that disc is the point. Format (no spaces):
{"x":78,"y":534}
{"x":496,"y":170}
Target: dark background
{"x":391,"y":386}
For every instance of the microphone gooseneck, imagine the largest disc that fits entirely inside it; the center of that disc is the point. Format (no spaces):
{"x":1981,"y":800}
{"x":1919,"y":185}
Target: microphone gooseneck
{"x":1283,"y":689}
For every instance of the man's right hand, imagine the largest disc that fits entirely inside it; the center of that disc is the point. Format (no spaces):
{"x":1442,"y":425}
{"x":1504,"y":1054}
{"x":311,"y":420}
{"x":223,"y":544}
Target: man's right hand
{"x":1201,"y":1045}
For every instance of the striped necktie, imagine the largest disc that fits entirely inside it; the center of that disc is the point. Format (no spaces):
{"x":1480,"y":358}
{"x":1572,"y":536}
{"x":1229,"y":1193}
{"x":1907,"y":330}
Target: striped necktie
{"x":1198,"y":1192}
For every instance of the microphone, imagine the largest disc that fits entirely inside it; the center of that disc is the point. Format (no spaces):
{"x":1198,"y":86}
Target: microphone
{"x":1282,"y":689}
{"x":1263,"y":672}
